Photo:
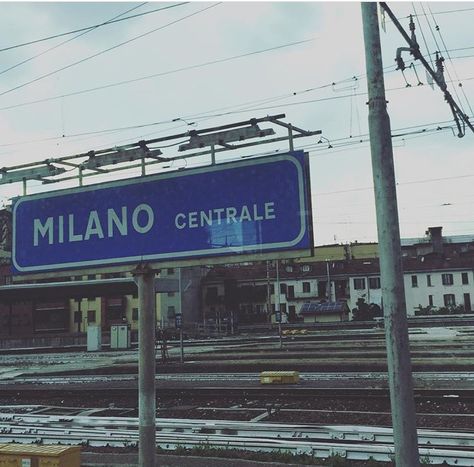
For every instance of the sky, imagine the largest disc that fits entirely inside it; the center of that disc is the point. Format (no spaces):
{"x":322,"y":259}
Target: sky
{"x":219,"y":63}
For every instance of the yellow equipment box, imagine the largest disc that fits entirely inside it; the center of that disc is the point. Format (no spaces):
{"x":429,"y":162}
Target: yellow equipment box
{"x":279,"y":377}
{"x":32,"y":455}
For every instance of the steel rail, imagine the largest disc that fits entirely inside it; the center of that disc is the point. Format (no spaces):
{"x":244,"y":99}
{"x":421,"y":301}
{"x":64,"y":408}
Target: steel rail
{"x":223,"y":427}
{"x":244,"y":376}
{"x":336,"y":444}
{"x":257,"y":391}
{"x":322,"y":411}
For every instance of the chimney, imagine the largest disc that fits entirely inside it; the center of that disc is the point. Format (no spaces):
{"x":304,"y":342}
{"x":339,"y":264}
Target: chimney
{"x":436,"y":239}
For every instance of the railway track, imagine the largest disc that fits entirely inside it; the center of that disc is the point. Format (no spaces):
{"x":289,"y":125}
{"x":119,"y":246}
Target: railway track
{"x":419,"y":377}
{"x":351,"y":442}
{"x":354,"y":385}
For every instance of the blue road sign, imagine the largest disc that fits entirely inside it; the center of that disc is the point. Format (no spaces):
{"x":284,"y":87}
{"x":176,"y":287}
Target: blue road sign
{"x":254,"y":206}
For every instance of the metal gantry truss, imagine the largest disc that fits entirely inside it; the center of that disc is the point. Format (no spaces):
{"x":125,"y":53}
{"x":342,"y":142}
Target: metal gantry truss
{"x":143,"y":153}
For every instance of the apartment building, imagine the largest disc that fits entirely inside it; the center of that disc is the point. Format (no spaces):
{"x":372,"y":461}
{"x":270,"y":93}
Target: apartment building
{"x":438,"y":273}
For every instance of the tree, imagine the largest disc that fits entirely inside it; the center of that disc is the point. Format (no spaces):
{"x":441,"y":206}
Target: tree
{"x":365,"y":311}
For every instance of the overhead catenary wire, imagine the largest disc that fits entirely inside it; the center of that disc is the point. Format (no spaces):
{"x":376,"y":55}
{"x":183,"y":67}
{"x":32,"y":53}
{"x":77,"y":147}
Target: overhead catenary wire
{"x":83,"y":33}
{"x":446,"y":51}
{"x":88,"y":28}
{"x":171,"y":120}
{"x":156,"y":75}
{"x":458,"y":115}
{"x":208,"y":115}
{"x":422,"y":34}
{"x":97,"y":54}
{"x":440,"y":49}
{"x":459,"y":10}
{"x":390,"y":68}
{"x":400,"y":183}
{"x":281,"y":97}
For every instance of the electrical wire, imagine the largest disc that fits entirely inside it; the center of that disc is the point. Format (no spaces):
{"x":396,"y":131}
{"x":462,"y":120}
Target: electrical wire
{"x":88,"y":28}
{"x":453,"y":11}
{"x":387,"y":69}
{"x":69,"y":40}
{"x":451,"y":61}
{"x":85,"y":59}
{"x":156,"y":75}
{"x":439,"y":49}
{"x":412,"y":182}
{"x":422,"y":35}
{"x":206,"y":116}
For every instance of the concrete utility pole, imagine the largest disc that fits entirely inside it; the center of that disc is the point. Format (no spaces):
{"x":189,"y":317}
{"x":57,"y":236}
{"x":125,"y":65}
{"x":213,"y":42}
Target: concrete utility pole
{"x":393,"y":294}
{"x":146,"y":366}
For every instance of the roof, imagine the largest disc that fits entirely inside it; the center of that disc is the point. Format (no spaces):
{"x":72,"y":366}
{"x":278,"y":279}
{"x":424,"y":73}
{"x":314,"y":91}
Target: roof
{"x":314,"y":308}
{"x":413,"y":241}
{"x":79,"y":289}
{"x":453,"y":259}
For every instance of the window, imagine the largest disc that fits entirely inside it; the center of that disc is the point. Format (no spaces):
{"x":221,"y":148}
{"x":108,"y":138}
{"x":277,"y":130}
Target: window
{"x":359,"y":284}
{"x":91,"y":277}
{"x":306,"y":268}
{"x":447,"y":279}
{"x":374,"y":282}
{"x":449,"y":299}
{"x":467,"y":302}
{"x":170,"y":294}
{"x":291,"y":291}
{"x":171,"y":312}
{"x":322,"y":288}
{"x":134,"y":314}
{"x":306,"y":287}
{"x":430,"y":300}
{"x":272,"y":289}
{"x":283,"y":288}
{"x":428,"y":281}
{"x":289,"y":269}
{"x":465,"y":278}
{"x":342,"y":289}
{"x":91,"y":316}
{"x":91,"y":299}
{"x":414,"y":281}
{"x":170,"y":271}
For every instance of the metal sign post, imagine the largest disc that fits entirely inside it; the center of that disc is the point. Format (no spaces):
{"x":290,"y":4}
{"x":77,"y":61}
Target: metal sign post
{"x":146,"y":366}
{"x":181,"y":344}
{"x":277,"y":304}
